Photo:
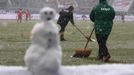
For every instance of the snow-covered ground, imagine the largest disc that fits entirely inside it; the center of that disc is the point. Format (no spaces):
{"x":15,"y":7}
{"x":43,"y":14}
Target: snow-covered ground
{"x":107,"y":69}
{"x":48,"y":44}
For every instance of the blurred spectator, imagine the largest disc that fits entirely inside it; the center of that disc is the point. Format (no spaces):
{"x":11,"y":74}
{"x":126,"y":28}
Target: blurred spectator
{"x":84,"y":17}
{"x":27,"y":15}
{"x":19,"y":15}
{"x":123,"y":17}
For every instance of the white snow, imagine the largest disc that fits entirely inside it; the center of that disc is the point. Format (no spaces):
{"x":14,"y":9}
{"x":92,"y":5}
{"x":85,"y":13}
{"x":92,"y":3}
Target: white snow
{"x":107,"y":69}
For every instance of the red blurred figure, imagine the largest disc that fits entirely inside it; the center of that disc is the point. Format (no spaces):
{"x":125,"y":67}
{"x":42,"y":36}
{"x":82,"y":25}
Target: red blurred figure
{"x":27,"y":14}
{"x":19,"y":16}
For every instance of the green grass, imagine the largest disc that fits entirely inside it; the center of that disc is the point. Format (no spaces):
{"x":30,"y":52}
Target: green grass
{"x":14,"y":40}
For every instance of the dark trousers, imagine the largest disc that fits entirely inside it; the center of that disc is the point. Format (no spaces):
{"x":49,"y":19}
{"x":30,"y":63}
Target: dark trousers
{"x":62,"y":30}
{"x":102,"y":40}
{"x":63,"y":26}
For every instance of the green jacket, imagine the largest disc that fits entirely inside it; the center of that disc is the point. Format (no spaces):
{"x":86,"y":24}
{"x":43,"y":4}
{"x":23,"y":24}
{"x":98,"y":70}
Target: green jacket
{"x":102,"y":15}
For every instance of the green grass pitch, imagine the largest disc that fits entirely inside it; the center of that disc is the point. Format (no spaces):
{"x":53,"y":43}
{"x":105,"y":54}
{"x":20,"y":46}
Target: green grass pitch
{"x":14,"y":41}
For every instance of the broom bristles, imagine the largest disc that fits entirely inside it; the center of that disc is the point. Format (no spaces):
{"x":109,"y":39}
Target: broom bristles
{"x":82,"y":52}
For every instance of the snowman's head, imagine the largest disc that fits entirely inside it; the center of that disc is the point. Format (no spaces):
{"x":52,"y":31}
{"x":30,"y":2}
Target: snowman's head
{"x":47,"y":14}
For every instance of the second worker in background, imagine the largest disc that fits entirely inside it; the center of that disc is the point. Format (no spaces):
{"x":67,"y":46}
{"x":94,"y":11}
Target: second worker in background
{"x":64,"y":17}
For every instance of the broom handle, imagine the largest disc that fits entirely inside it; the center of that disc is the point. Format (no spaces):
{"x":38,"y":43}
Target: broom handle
{"x":89,"y":39}
{"x":80,"y":31}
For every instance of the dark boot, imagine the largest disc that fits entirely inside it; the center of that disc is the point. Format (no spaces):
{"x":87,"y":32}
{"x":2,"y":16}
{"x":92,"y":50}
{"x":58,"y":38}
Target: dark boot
{"x":100,"y":58}
{"x":106,"y":58}
{"x":62,"y":37}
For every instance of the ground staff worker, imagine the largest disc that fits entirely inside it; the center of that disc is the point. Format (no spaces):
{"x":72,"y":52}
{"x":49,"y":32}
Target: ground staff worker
{"x":102,"y":15}
{"x":64,"y":18}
